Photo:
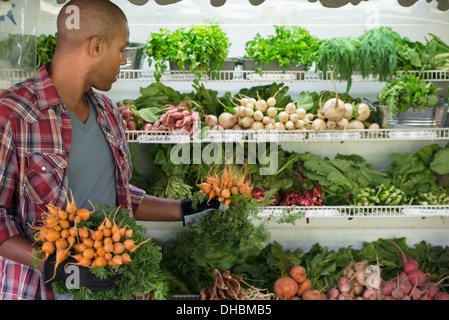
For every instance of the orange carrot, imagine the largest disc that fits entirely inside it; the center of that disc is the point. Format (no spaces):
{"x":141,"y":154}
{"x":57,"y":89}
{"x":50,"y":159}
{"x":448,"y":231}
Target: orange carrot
{"x":52,"y":235}
{"x":126,"y":258}
{"x":70,"y":207}
{"x":119,"y":248}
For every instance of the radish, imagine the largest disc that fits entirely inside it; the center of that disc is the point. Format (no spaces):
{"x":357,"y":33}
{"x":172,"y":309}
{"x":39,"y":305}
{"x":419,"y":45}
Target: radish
{"x":417,"y":277}
{"x":441,"y":296}
{"x":405,"y":285}
{"x":343,"y":285}
{"x":127,"y":113}
{"x":132,"y":125}
{"x":411,"y":265}
{"x":319,"y":124}
{"x":333,"y":293}
{"x":370,"y":294}
{"x":387,"y":287}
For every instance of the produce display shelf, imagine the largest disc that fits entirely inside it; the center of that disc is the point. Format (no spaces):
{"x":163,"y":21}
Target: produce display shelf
{"x":404,"y":211}
{"x":142,"y":75}
{"x":278,"y":136}
{"x":134,"y":75}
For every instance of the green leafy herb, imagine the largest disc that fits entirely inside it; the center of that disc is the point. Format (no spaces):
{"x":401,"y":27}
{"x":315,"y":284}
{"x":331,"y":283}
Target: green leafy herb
{"x":406,"y":92}
{"x":289,"y":45}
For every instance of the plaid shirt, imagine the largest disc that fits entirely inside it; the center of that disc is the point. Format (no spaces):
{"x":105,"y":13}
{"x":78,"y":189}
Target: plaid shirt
{"x":35,"y":134}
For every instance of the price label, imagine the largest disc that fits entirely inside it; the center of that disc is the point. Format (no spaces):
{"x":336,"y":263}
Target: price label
{"x":169,"y":138}
{"x":412,"y":134}
{"x":322,"y":213}
{"x":291,"y":137}
{"x":426,"y":212}
{"x":331,"y":136}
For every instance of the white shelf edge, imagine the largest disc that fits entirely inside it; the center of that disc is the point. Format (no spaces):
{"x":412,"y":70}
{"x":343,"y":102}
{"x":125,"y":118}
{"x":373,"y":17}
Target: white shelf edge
{"x":297,"y":136}
{"x":335,"y":212}
{"x":136,"y":75}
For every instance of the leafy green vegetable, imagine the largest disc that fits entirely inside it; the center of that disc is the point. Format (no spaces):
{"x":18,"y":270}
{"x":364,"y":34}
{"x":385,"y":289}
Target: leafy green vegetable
{"x":343,"y":55}
{"x":406,"y":92}
{"x":142,"y":276}
{"x":220,"y":240}
{"x":199,"y":48}
{"x":378,"y":52}
{"x":289,"y":44}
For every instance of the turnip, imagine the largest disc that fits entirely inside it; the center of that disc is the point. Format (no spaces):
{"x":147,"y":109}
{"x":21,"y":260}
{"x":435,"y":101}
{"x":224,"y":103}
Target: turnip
{"x":261,"y":104}
{"x":289,"y":125}
{"x":357,"y":289}
{"x":211,"y":120}
{"x":334,"y":109}
{"x":271,"y":102}
{"x":283,"y":117}
{"x":227,"y":120}
{"x":320,"y":114}
{"x":344,"y":296}
{"x":356,"y":124}
{"x":279,"y":126}
{"x":246,"y":122}
{"x":301,"y":112}
{"x":257,"y":125}
{"x":258,"y":115}
{"x":342,"y":124}
{"x":319,"y":124}
{"x":290,"y":108}
{"x":272,"y":112}
{"x":309,"y":117}
{"x":236,"y":127}
{"x":249,"y":112}
{"x":266,"y":120}
{"x":349,"y":111}
{"x":269,"y":126}
{"x":331,"y":125}
{"x":364,"y":111}
{"x":294,"y":117}
{"x":299,"y":124}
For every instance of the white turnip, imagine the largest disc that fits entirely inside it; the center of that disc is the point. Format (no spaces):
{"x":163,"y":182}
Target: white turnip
{"x":272,"y":112}
{"x":290,"y":108}
{"x":342,"y":124}
{"x":294,"y":117}
{"x":257,"y":125}
{"x":261,"y":105}
{"x":283,"y":116}
{"x":211,"y":120}
{"x":258,"y":115}
{"x":289,"y":125}
{"x":299,"y":124}
{"x":279,"y":126}
{"x":364,"y":111}
{"x":301,"y":112}
{"x":319,"y":124}
{"x":227,"y":120}
{"x":356,"y":124}
{"x":349,"y":111}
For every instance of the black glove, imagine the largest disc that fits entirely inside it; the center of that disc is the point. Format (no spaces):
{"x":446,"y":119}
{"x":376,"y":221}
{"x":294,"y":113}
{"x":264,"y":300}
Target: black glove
{"x":189,"y":215}
{"x":86,"y":278}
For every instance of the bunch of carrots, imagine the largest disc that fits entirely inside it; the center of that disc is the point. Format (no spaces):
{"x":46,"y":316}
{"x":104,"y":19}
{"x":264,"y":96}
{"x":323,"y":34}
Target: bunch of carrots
{"x":59,"y":232}
{"x":226,"y":183}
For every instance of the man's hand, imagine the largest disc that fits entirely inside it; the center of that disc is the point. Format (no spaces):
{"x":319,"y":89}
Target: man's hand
{"x":189,"y":215}
{"x":86,"y":278}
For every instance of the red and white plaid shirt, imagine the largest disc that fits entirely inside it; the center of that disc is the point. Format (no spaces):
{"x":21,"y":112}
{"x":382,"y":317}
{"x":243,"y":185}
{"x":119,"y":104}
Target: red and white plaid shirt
{"x":35,"y":134}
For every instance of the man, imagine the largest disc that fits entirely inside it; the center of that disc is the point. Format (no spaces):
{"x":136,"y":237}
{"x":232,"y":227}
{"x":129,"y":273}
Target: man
{"x":58,"y":134}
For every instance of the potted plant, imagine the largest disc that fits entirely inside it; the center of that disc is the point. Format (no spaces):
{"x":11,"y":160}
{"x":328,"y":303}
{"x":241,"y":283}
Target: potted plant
{"x":201,"y":49}
{"x":290,"y":48}
{"x":407,"y":101}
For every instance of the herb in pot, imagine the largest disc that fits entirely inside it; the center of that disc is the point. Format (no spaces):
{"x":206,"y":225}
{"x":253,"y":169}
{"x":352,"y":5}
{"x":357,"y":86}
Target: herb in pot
{"x":406,"y":92}
{"x":289,"y":44}
{"x":201,"y":48}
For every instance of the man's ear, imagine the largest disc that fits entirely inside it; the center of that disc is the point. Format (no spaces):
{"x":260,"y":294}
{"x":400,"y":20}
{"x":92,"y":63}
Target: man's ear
{"x":96,"y":46}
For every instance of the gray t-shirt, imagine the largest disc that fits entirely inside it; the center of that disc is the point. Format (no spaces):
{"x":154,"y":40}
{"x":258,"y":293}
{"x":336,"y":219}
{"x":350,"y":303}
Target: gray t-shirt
{"x":91,"y":167}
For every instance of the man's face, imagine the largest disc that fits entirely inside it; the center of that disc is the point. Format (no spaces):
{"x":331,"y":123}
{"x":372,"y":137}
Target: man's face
{"x":112,"y":58}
